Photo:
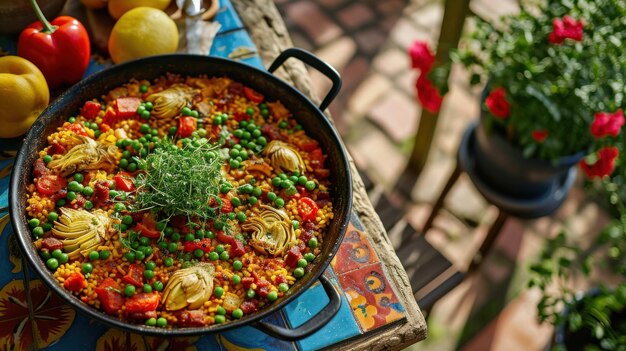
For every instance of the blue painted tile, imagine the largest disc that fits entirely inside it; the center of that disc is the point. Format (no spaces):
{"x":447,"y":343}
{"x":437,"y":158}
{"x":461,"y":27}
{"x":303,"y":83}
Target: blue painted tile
{"x":234,"y":45}
{"x":227,"y":17}
{"x":341,"y":327}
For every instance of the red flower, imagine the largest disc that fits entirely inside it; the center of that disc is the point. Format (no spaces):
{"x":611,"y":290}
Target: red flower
{"x":566,"y":28}
{"x":427,"y":94}
{"x":606,"y":124}
{"x":604,"y":165}
{"x":539,"y":135}
{"x":496,"y":101}
{"x":421,"y":56}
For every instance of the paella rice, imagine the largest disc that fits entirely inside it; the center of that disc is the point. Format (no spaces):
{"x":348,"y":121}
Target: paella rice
{"x":181,"y":202}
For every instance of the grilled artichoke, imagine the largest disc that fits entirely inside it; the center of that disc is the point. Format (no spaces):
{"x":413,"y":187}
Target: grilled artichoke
{"x":169,"y":102}
{"x":82,"y":231}
{"x":272,"y":233}
{"x":88,"y":154}
{"x":189,"y":287}
{"x":283,"y":156}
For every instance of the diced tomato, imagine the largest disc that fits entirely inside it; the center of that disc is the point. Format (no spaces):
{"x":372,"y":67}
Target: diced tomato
{"x":272,"y":132}
{"x":193,"y":318}
{"x":305,"y":236}
{"x":317,"y":158}
{"x":77,"y":128}
{"x":39,"y":168}
{"x":126,"y":107}
{"x":104,"y":127}
{"x":262,"y":287}
{"x":110,"y":117}
{"x":307,"y":144}
{"x":147,"y":227}
{"x":51,"y":243}
{"x":235,"y":88}
{"x":253,"y":95}
{"x":227,"y":207}
{"x":90,"y":109}
{"x":49,"y":184}
{"x":293,"y":255}
{"x":142,"y":302}
{"x":186,"y":126}
{"x":202,"y":244}
{"x":124,"y":181}
{"x":224,"y":238}
{"x":101,"y":192}
{"x":236,"y":249}
{"x":307,"y":209}
{"x":241,"y":116}
{"x":75,"y":282}
{"x":134,"y":275}
{"x":56,"y":149}
{"x":247,"y":282}
{"x":110,"y":296}
{"x":250,"y":306}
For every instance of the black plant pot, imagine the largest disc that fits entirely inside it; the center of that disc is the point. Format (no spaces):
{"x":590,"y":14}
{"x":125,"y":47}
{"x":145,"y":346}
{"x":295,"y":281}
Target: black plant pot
{"x":503,"y":166}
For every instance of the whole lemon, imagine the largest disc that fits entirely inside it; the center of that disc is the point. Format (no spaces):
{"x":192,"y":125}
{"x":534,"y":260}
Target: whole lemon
{"x":119,"y":7}
{"x":23,"y":95}
{"x":140,"y":32}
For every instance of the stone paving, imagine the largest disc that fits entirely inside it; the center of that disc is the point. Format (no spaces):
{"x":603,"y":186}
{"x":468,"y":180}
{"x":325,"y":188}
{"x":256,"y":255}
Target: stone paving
{"x":377,"y":114}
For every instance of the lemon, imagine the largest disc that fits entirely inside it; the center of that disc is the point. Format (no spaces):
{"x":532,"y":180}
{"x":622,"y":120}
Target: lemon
{"x":140,"y":32}
{"x":119,"y":7}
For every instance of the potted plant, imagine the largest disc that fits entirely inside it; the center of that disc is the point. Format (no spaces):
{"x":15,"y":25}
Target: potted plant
{"x":555,"y":74}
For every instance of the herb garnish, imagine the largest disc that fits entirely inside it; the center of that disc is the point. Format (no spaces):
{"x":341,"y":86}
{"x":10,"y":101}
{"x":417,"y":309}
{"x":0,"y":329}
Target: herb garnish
{"x":182,"y":181}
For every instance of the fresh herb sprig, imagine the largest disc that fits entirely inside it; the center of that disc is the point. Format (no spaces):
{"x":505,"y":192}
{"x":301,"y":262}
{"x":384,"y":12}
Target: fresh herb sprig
{"x":182,"y":181}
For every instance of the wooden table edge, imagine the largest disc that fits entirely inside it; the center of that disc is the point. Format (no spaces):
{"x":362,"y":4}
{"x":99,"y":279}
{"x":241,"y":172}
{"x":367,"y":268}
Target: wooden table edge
{"x":267,"y":29}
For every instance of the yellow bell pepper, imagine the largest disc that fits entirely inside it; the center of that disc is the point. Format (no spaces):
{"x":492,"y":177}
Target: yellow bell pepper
{"x":23,"y":95}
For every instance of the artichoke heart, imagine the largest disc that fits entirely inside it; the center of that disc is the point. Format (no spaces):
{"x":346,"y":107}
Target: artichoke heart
{"x":88,"y":154}
{"x":82,"y":231}
{"x":272,"y":232}
{"x":189,"y":287}
{"x":283,"y":156}
{"x":168,"y":103}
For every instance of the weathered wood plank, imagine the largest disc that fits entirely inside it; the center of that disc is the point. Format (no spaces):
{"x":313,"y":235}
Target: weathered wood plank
{"x":268,"y":31}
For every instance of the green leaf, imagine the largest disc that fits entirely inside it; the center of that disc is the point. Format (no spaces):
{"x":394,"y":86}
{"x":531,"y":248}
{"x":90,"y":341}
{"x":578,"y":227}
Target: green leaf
{"x":545,"y":101}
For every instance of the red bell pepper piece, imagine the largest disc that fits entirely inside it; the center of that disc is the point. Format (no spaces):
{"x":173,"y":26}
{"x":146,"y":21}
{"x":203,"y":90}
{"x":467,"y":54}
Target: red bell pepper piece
{"x":142,"y":302}
{"x":147,"y":228}
{"x":203,"y":244}
{"x":124,"y":182}
{"x":134,"y":276}
{"x":236,"y":249}
{"x":253,"y":95}
{"x":90,"y":109}
{"x":77,"y":128}
{"x":307,"y":209}
{"x":60,"y":49}
{"x":126,"y":107}
{"x":75,"y":282}
{"x":293,"y":255}
{"x":317,"y":158}
{"x":110,"y":296}
{"x":110,"y":117}
{"x":50,"y":183}
{"x":186,"y":126}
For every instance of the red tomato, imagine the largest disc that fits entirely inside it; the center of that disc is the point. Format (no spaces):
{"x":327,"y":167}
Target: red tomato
{"x":90,"y":109}
{"x":110,"y":296}
{"x":134,"y":275}
{"x":142,"y":302}
{"x":203,"y":244}
{"x":110,"y":117}
{"x":148,"y":228}
{"x":124,"y":181}
{"x":293,"y":255}
{"x":225,"y":239}
{"x":75,"y":282}
{"x":236,"y":249}
{"x":307,"y":209}
{"x":186,"y":126}
{"x":126,"y":107}
{"x":253,"y":95}
{"x":49,"y":184}
{"x":227,"y":207}
{"x":317,"y":158}
{"x":77,"y":129}
{"x":307,"y":144}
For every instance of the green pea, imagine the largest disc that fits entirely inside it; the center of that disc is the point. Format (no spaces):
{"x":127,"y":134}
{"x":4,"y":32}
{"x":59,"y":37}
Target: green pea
{"x":71,"y":195}
{"x":309,"y":185}
{"x":38,"y":231}
{"x":219,"y":319}
{"x":139,"y":255}
{"x":224,"y":256}
{"x":265,"y":112}
{"x":87,"y":267}
{"x":119,"y":207}
{"x":190,"y":237}
{"x":88,"y":205}
{"x":168,"y":261}
{"x":57,"y":253}
{"x":145,"y":128}
{"x":272,"y":296}
{"x":235,"y":201}
{"x":33,"y":223}
{"x":88,"y":191}
{"x":272,"y":196}
{"x":214,"y":256}
{"x":61,"y":203}
{"x":302,"y":263}
{"x":143,"y":88}
{"x":261,"y":141}
{"x":236,"y":279}
{"x":252,"y":200}
{"x":172,"y":130}
{"x":151,"y":322}
{"x":45,"y":254}
{"x":158,"y":285}
{"x":133,"y":166}
{"x":63,"y":258}
{"x":250,"y":293}
{"x":283,"y":124}
{"x":283,"y":287}
{"x":148,"y":105}
{"x":298,"y":272}
{"x":218,"y":292}
{"x":309,"y":256}
{"x":144,"y":241}
{"x":175,"y":236}
{"x":168,"y":231}
{"x":291,"y":191}
{"x":148,"y":274}
{"x":237,"y":265}
{"x":219,"y":248}
{"x":279,"y":202}
{"x":47,"y":159}
{"x":161,"y":322}
{"x":220,"y":310}
{"x":130,"y":256}
{"x":128,"y":220}
{"x":234,"y":164}
{"x":94,"y":255}
{"x":313,"y":243}
{"x":198,"y":253}
{"x":210,"y":235}
{"x":237,"y":313}
{"x":150,"y":265}
{"x":52,"y":263}
{"x":295,"y":224}
{"x":145,"y":115}
{"x":129,"y":290}
{"x":105,"y":254}
{"x":241,"y":216}
{"x":47,"y":226}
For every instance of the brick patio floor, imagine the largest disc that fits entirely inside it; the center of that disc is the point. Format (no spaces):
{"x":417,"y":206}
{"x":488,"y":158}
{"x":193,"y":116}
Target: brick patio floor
{"x":377,"y":114}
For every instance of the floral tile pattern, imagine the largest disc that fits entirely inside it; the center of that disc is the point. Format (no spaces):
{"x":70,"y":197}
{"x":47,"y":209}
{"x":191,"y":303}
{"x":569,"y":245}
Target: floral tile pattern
{"x":355,"y":251}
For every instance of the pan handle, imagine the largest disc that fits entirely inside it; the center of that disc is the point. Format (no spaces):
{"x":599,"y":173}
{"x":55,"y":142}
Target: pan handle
{"x":312,"y":325}
{"x":316,"y":63}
